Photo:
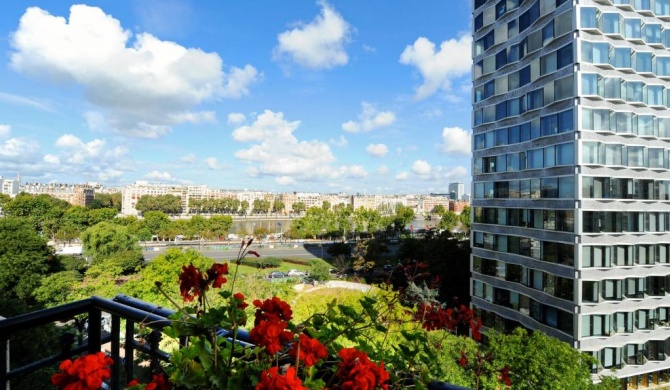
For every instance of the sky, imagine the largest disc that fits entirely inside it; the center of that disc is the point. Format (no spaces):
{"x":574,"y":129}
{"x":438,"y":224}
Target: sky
{"x":368,"y":97}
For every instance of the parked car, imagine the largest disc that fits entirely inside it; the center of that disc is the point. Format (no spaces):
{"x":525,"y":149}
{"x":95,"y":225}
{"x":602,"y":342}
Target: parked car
{"x":276,"y":275}
{"x":296,"y":273}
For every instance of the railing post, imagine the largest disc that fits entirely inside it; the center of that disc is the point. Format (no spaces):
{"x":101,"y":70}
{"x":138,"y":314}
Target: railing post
{"x":129,"y":350}
{"x":94,"y":330}
{"x":116,"y":369}
{"x":154,"y":338}
{"x":4,"y":360}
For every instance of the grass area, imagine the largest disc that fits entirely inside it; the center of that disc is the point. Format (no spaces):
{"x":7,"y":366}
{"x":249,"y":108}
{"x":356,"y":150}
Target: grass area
{"x":284,"y":267}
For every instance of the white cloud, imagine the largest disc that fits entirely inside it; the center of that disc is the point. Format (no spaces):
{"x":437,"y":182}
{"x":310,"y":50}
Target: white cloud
{"x":319,"y":44}
{"x":235,"y":118}
{"x":340,"y":142}
{"x":455,"y":141}
{"x":189,"y":158}
{"x":139,"y":85}
{"x":438,"y":68}
{"x":402,"y":176}
{"x":369,"y":48}
{"x":285,"y":180}
{"x":352,"y":171}
{"x":421,"y":167}
{"x":51,"y":159}
{"x":275,"y":151}
{"x":19,"y":150}
{"x":77,"y":151}
{"x":369,"y":119}
{"x":160,"y":176}
{"x":382,"y":170}
{"x":212,"y":163}
{"x":377,"y":150}
{"x":5,"y":130}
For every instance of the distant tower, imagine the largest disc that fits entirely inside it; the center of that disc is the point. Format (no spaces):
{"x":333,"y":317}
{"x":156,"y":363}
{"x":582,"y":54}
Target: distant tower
{"x":456,"y":190}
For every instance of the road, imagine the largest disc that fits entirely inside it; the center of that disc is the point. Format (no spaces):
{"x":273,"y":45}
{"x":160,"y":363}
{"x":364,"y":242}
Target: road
{"x":220,"y":252}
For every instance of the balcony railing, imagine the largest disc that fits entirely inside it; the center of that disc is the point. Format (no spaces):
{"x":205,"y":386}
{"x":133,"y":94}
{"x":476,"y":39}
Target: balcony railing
{"x":133,"y":311}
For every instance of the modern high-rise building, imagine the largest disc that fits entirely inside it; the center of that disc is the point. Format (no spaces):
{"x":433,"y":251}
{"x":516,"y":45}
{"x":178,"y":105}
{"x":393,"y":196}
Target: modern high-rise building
{"x":456,"y":190}
{"x":571,"y":179}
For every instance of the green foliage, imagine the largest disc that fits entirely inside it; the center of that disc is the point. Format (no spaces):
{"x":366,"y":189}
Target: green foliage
{"x":72,"y":263}
{"x":127,"y":262}
{"x":168,"y":204}
{"x":403,"y":216}
{"x":319,"y":270}
{"x":95,"y":216}
{"x":106,"y":239}
{"x":537,"y":361}
{"x":262,"y":262}
{"x":24,"y":258}
{"x":261,"y":206}
{"x":449,"y":221}
{"x":438,"y":209}
{"x":57,"y":288}
{"x":299,"y":207}
{"x":109,"y":201}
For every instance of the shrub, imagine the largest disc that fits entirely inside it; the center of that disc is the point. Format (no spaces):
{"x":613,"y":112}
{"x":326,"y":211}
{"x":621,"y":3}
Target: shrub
{"x":263,"y":262}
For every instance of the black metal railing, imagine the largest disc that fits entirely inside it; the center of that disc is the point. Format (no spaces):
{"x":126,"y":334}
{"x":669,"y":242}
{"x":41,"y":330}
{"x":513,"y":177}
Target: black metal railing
{"x":132,"y":310}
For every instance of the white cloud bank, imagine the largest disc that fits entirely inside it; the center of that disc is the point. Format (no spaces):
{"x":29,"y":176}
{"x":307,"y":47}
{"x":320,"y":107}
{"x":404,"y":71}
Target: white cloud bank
{"x":438,"y":68}
{"x":369,"y":119}
{"x":5,"y":130}
{"x":319,"y":44}
{"x":377,"y":150}
{"x":139,"y":85}
{"x":455,"y":141}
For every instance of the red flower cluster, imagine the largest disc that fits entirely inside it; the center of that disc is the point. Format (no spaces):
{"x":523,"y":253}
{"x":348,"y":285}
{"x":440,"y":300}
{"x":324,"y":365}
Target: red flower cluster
{"x":193,"y":282}
{"x":357,"y":372}
{"x":435,"y":317}
{"x":272,"y":380}
{"x":311,"y":350}
{"x":86,"y":372}
{"x":239,"y":299}
{"x":159,"y":382}
{"x":271,"y":309}
{"x":504,"y":376}
{"x":269,"y":329}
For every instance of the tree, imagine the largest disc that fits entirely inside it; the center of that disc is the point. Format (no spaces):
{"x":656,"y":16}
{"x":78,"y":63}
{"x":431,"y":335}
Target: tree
{"x":109,"y":201}
{"x":96,"y":216}
{"x":465,"y":220}
{"x":155,"y":221}
{"x":261,"y":206}
{"x":299,"y":207}
{"x":25,"y":258}
{"x":244,"y":207}
{"x":449,"y":221}
{"x":220,"y":224}
{"x":278,"y":206}
{"x":537,"y":361}
{"x":319,"y":270}
{"x":403,"y":217}
{"x":168,"y":204}
{"x":56,"y":289}
{"x":325,"y":205}
{"x":438,"y":209}
{"x":106,"y":239}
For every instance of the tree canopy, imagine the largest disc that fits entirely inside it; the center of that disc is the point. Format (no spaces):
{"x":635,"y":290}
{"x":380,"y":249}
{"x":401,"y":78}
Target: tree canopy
{"x":24,"y":258}
{"x":168,"y":204}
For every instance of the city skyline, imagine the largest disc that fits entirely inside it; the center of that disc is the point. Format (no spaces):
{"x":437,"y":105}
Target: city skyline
{"x":278,"y":99}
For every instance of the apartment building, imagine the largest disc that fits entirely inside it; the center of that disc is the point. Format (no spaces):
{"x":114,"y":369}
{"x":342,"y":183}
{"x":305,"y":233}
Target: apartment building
{"x":571,"y":180}
{"x":75,"y":194}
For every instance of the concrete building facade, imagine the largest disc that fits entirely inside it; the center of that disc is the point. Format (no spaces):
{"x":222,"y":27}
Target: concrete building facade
{"x":571,"y":179}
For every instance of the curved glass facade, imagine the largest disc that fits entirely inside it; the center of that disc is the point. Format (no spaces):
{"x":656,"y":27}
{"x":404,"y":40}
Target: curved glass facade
{"x":571,"y":176}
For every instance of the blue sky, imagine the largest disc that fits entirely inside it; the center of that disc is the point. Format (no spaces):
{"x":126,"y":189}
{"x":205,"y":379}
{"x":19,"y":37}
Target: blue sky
{"x":340,"y":96}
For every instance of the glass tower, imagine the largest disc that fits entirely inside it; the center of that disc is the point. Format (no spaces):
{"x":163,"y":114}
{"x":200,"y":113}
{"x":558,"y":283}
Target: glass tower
{"x":571,"y":176}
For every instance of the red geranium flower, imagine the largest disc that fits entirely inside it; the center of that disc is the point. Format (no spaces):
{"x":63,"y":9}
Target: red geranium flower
{"x":271,"y":335}
{"x":464,"y":360}
{"x":159,"y":382}
{"x":215,"y":273}
{"x":311,"y":350}
{"x":272,"y":380}
{"x":504,"y":376}
{"x":357,"y":372}
{"x":86,"y":372}
{"x":239,"y":298}
{"x":191,"y":282}
{"x":272,"y":308}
